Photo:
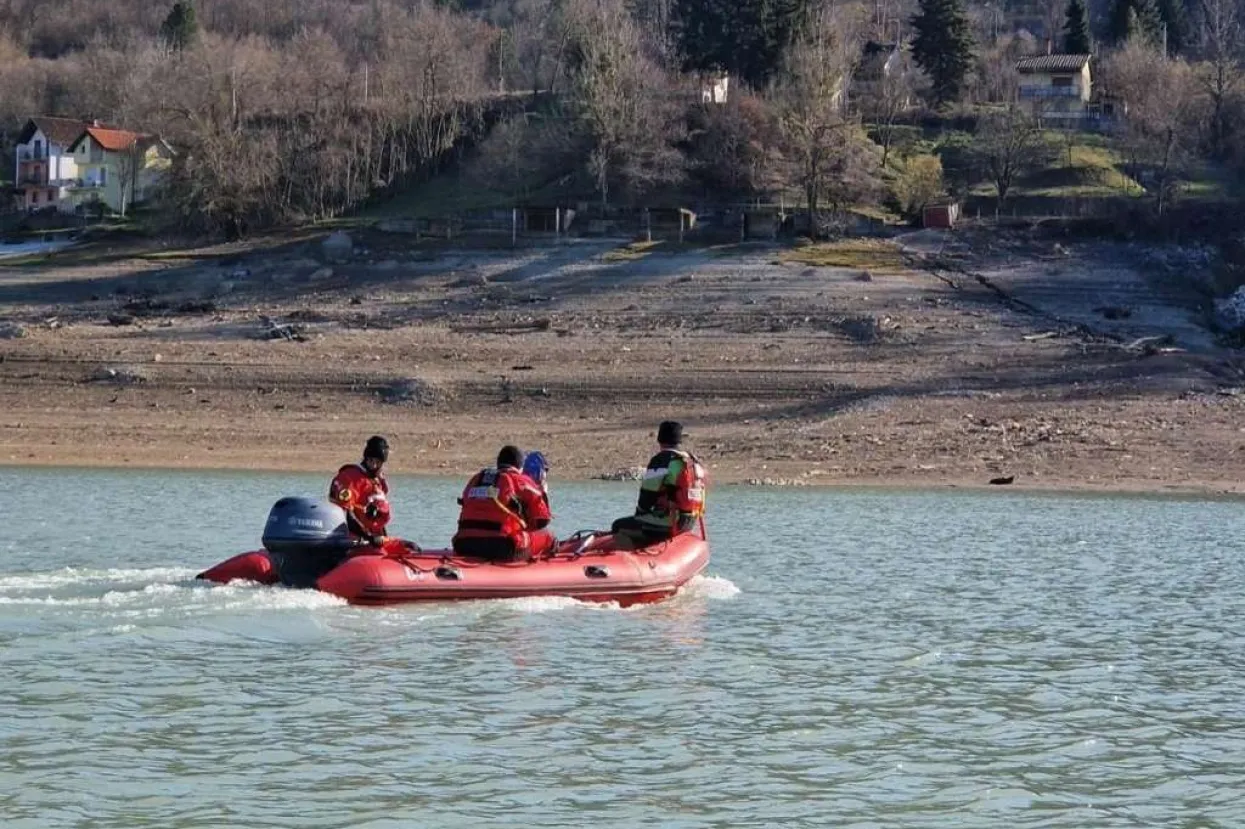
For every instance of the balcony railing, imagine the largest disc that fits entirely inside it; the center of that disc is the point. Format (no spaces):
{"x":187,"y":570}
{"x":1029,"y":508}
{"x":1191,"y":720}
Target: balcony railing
{"x":31,"y":155}
{"x":83,"y":184}
{"x":44,"y":181}
{"x":1050,"y":92}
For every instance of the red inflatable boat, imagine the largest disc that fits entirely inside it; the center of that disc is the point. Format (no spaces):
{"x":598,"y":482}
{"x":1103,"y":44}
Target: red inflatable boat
{"x":587,"y":567}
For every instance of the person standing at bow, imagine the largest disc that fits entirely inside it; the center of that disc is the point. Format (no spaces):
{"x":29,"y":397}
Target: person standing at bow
{"x":362,"y":491}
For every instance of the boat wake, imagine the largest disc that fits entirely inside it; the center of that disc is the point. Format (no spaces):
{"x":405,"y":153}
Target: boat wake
{"x":147,"y":592}
{"x":127,"y":593}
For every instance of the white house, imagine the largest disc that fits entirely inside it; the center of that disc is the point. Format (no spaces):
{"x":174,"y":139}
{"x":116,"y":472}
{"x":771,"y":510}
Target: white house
{"x":715,"y":88}
{"x":1056,"y":88}
{"x":117,"y":167}
{"x":44,"y":168}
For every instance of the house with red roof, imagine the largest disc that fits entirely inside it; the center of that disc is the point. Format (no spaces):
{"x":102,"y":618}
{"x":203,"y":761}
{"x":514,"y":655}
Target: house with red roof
{"x":117,"y":168}
{"x":44,"y":167}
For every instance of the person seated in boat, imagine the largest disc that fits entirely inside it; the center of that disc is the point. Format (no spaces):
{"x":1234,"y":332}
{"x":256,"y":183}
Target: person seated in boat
{"x":537,"y":468}
{"x":362,"y":491}
{"x":505,"y":514}
{"x":672,"y":494}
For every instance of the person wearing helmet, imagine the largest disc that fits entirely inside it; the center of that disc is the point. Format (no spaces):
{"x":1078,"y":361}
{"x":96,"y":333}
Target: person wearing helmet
{"x":672,"y":494}
{"x":362,"y":491}
{"x":537,"y":468}
{"x":505,"y":513}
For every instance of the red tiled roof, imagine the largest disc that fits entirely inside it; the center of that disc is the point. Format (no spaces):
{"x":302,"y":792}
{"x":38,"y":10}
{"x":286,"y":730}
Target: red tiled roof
{"x":113,"y":140}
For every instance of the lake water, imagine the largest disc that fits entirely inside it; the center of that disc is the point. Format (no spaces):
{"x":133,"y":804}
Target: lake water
{"x":851,"y":659}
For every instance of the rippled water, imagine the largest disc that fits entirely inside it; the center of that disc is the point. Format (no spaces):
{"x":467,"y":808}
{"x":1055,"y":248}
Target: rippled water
{"x":851,"y":659}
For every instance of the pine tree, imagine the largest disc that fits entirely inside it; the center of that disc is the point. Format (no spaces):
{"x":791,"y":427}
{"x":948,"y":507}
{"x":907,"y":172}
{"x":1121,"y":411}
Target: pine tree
{"x":943,"y":46}
{"x":747,"y":38}
{"x":180,"y":29}
{"x":1135,"y":18}
{"x":1076,"y":37}
{"x":1149,"y":19}
{"x":1172,"y":13}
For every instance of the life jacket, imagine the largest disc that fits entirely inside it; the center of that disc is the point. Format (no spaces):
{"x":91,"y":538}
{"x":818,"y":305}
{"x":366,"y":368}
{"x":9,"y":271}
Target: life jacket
{"x":685,"y":498}
{"x":691,"y":486}
{"x":491,"y":506}
{"x":354,"y":490}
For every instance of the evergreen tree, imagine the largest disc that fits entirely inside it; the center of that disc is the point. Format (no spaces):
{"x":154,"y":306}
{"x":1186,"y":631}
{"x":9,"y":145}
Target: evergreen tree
{"x":1149,"y":19}
{"x":180,"y":29}
{"x":943,"y":46}
{"x":747,"y":38}
{"x":1172,"y":13}
{"x":1076,"y":37}
{"x":1135,"y":18}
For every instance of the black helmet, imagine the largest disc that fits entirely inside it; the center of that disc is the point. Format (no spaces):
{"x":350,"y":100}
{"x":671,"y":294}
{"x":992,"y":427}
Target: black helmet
{"x":510,"y":456}
{"x":670,"y":433}
{"x":377,"y":447}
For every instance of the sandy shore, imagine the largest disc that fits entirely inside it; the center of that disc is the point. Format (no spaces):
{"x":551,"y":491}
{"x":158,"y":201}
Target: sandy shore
{"x":955,"y":361}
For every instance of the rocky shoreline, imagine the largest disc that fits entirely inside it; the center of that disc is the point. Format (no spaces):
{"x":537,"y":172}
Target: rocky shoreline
{"x":958,"y":362}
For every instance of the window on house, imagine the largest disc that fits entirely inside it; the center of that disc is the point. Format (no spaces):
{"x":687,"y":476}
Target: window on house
{"x":1061,"y":80}
{"x":38,"y":149}
{"x":103,"y":176}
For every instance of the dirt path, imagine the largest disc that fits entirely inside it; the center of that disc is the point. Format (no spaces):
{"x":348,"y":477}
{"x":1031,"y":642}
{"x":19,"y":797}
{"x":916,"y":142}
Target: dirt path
{"x":782,"y":371}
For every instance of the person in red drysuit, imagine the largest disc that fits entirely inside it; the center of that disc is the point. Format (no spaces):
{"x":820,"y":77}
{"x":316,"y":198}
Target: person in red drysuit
{"x":504,"y":513}
{"x":362,"y":491}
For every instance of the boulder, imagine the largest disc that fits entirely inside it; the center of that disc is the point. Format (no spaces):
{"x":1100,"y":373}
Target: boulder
{"x":11,"y":331}
{"x":338,"y":246}
{"x":1230,"y":312}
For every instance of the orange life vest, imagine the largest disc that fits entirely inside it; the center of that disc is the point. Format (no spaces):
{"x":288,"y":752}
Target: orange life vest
{"x":358,"y":493}
{"x":691,"y":486}
{"x":492,"y":507}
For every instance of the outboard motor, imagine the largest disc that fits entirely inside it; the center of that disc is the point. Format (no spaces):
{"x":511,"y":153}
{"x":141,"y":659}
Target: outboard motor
{"x":306,"y":538}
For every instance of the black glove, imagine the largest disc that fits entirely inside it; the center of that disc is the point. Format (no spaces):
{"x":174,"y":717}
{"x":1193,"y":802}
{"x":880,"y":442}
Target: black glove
{"x":376,"y":540}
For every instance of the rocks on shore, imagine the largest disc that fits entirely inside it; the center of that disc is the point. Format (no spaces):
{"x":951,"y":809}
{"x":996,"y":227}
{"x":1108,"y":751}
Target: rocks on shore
{"x":412,"y":392}
{"x":634,"y":473}
{"x":776,"y":482}
{"x":338,"y":246}
{"x":12,"y":331}
{"x":121,"y":375}
{"x":1230,"y":312}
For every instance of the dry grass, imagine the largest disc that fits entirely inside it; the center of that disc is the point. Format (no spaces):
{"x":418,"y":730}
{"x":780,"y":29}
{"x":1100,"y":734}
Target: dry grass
{"x":630,"y":252}
{"x":861,"y":254}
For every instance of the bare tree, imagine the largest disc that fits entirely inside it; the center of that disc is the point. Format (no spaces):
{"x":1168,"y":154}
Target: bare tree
{"x":734,"y":146}
{"x":1220,"y":74}
{"x":1161,"y":100}
{"x":624,"y":101}
{"x":885,"y":102}
{"x":826,"y":151}
{"x":1053,"y":13}
{"x":1010,"y":144}
{"x":997,"y":80}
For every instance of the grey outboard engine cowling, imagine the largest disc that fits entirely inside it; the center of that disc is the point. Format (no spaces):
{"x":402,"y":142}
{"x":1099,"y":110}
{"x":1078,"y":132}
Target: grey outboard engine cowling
{"x":306,"y":537}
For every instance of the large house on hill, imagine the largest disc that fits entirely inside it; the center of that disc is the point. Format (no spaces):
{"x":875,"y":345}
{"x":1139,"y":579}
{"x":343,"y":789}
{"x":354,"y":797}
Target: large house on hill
{"x":44,"y":167}
{"x":70,"y":165}
{"x":118,"y":167}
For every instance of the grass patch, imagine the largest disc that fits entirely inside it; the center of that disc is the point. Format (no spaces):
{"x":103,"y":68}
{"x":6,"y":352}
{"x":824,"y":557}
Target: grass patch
{"x":443,"y":196}
{"x":1084,"y":170}
{"x":453,"y":194}
{"x":860,"y":254}
{"x":630,"y":252}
